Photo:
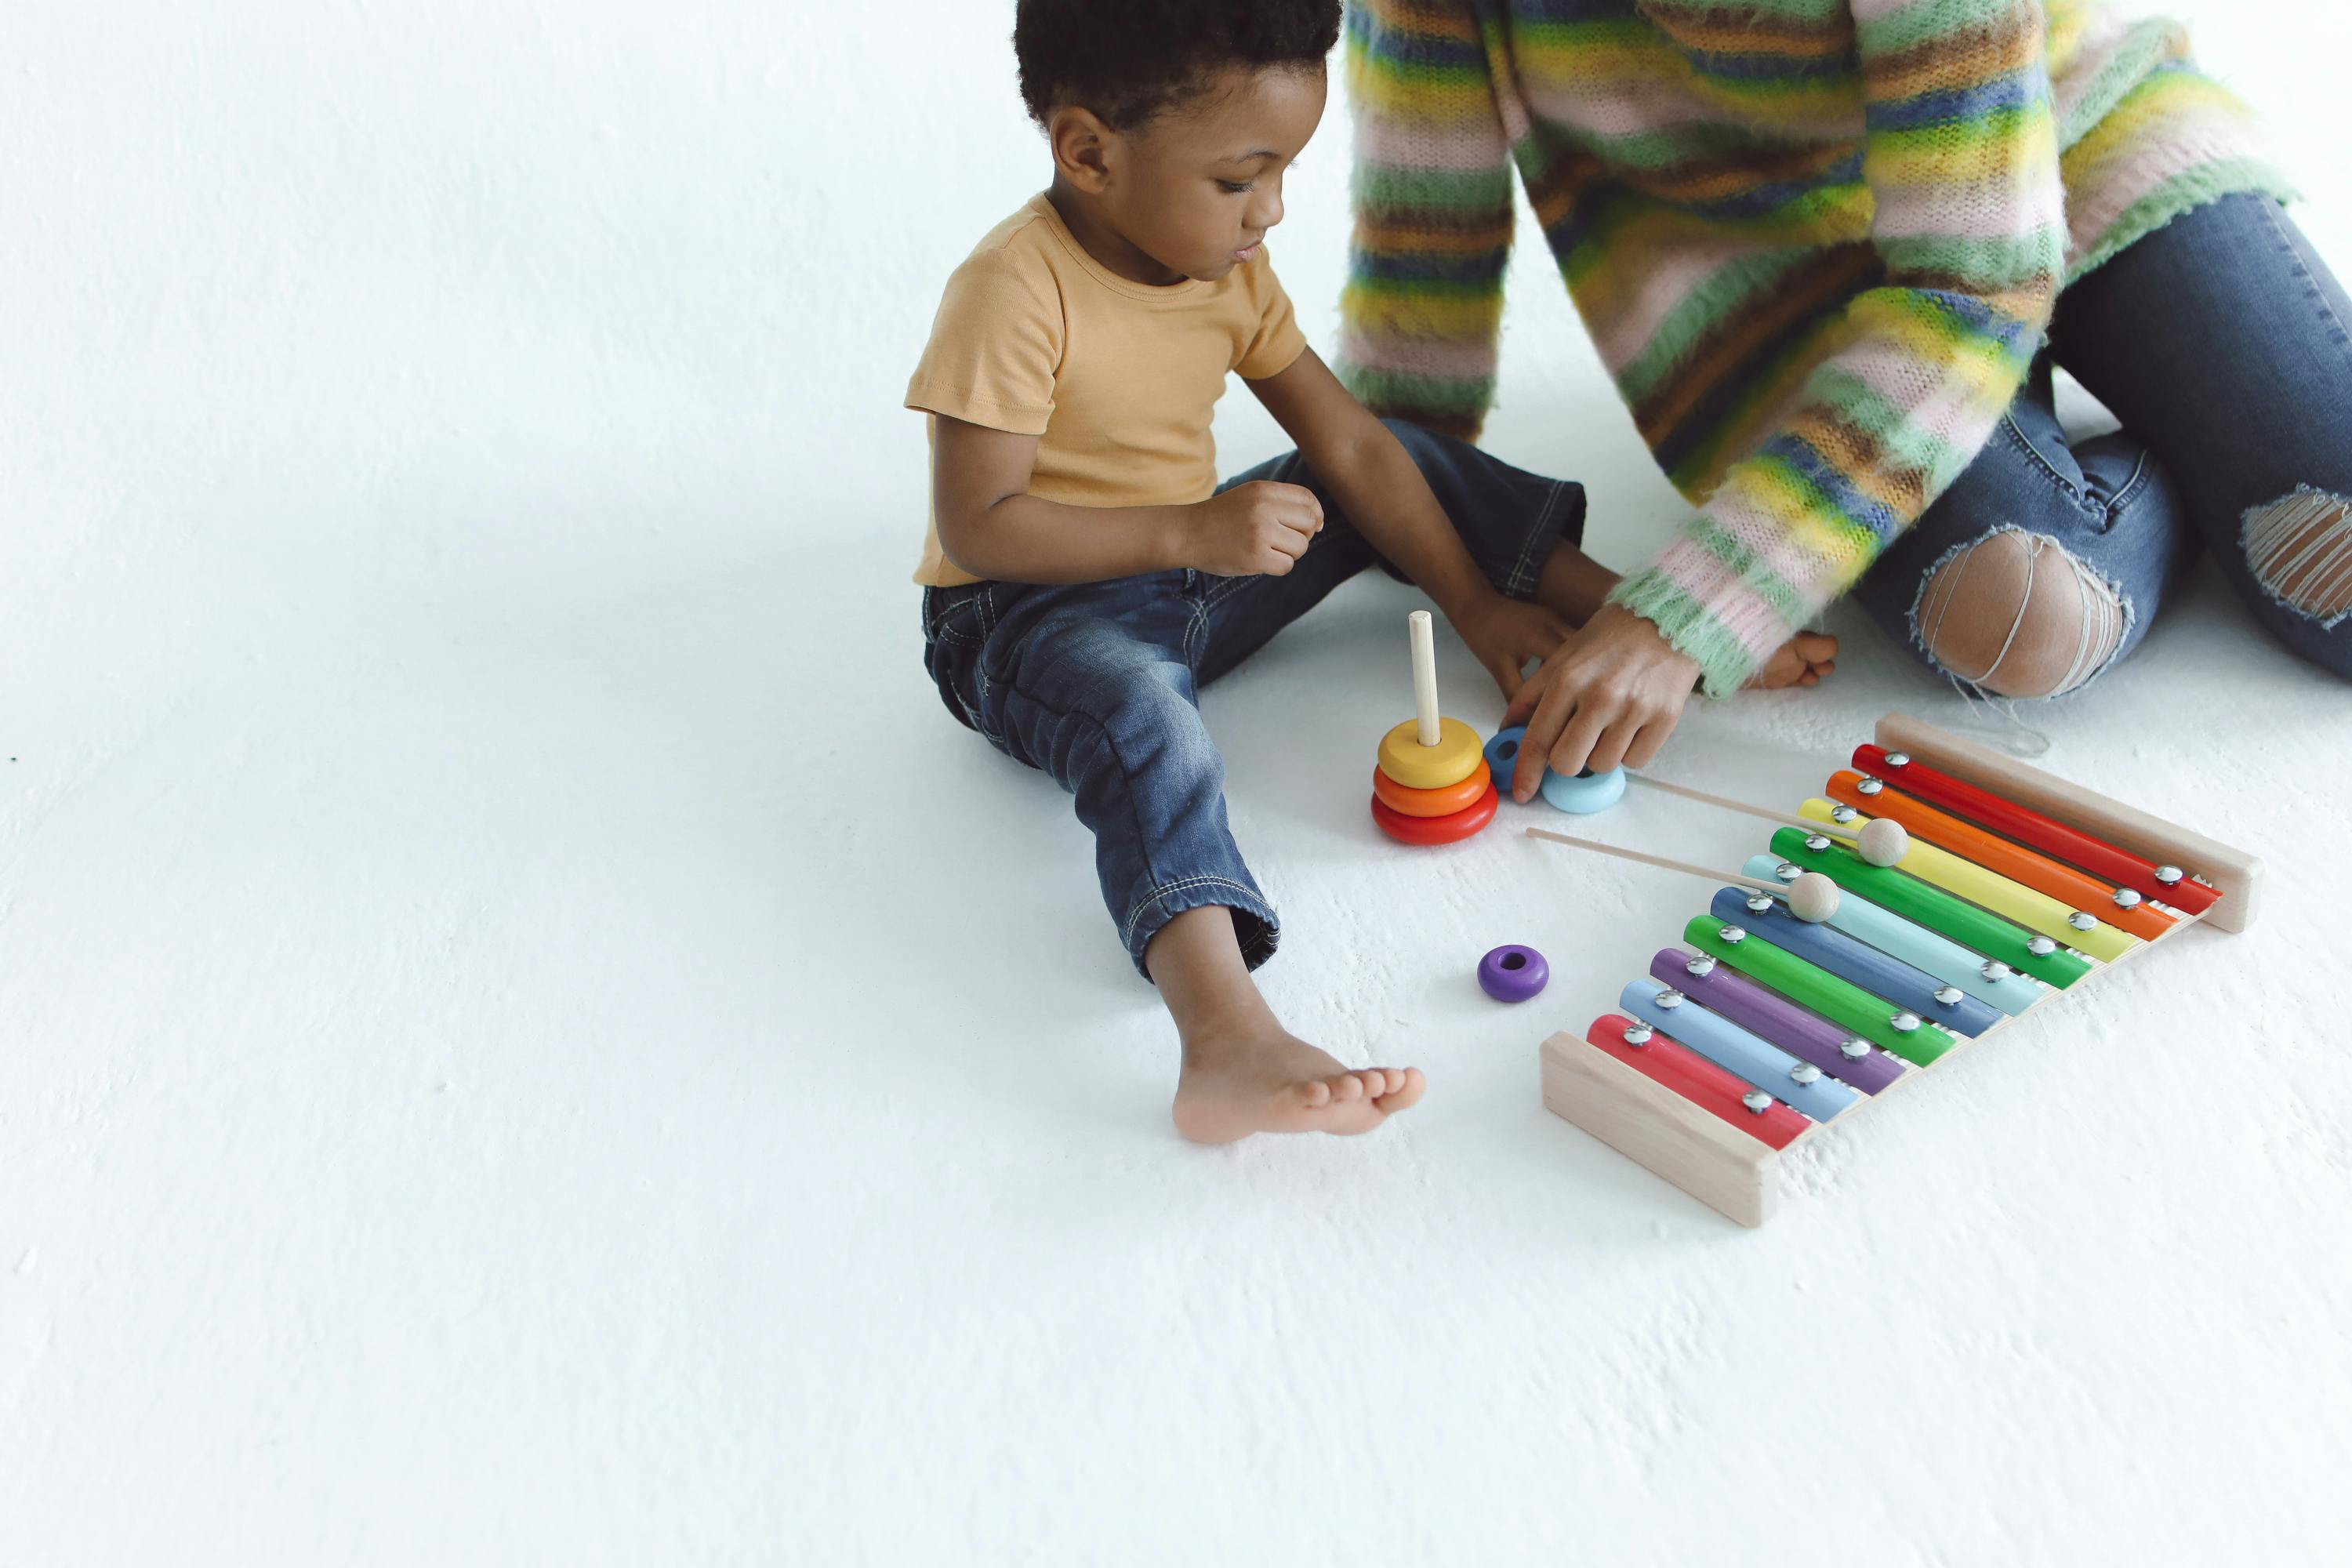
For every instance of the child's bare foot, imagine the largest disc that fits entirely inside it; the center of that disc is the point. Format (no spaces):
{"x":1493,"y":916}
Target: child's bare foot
{"x":1802,"y":660}
{"x":1260,"y":1078}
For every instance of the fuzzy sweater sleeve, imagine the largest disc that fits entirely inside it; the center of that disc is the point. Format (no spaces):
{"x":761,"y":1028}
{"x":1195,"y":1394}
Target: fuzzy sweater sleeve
{"x":1433,"y":215}
{"x":1960,"y":153}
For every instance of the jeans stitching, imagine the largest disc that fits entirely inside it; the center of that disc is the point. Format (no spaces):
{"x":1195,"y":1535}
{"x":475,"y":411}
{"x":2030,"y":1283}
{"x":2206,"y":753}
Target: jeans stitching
{"x":2024,"y":443}
{"x":1519,"y":583}
{"x":1200,"y":621}
{"x":2140,"y":474}
{"x":1255,"y":904}
{"x":2286,"y":247}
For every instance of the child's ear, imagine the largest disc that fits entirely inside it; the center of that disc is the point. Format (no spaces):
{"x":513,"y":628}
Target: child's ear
{"x":1081,"y":144}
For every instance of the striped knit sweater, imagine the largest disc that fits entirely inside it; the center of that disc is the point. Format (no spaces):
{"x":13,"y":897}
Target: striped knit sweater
{"x":1816,"y":242}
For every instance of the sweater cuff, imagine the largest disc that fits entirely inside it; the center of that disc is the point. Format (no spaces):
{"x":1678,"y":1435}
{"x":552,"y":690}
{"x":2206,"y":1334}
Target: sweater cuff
{"x":1727,"y":634}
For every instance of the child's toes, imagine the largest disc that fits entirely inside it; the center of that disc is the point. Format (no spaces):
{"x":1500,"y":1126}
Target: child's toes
{"x":1408,"y":1083}
{"x":1346,"y":1087}
{"x":1313,"y":1094}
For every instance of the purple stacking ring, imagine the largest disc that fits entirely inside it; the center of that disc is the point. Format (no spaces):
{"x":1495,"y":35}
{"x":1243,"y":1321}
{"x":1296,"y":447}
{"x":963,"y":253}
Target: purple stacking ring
{"x":1513,"y":973}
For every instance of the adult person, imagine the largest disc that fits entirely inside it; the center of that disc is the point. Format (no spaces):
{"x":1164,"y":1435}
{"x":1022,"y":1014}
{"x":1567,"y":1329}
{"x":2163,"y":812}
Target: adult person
{"x":1829,"y":251}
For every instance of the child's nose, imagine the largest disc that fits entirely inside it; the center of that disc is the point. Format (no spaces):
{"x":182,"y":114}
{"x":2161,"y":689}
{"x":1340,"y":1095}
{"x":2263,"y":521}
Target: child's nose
{"x":1267,"y":211}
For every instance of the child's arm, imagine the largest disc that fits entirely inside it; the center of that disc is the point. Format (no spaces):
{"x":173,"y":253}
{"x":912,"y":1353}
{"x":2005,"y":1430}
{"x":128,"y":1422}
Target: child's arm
{"x":1367,"y":471}
{"x":991,"y":526}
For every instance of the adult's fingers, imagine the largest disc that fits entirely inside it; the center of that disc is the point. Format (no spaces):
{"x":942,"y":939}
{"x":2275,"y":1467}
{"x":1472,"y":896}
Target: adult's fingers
{"x":1571,"y":753}
{"x":1652,"y":740}
{"x":1552,"y":710}
{"x":1615,"y":744}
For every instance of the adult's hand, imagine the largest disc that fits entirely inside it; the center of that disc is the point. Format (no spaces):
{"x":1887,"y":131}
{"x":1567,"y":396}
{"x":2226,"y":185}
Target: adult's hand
{"x":1610,"y":694}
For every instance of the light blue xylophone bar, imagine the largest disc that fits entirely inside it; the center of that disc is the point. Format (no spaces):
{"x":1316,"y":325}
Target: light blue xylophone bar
{"x":1915,"y":945}
{"x":1738,"y":1052}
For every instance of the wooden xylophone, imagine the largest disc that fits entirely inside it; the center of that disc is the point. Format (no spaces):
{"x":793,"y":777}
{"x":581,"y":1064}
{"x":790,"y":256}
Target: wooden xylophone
{"x":1760,"y":1028}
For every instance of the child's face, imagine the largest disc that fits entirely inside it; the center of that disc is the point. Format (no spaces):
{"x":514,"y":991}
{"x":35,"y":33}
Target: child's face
{"x":1197,"y":188}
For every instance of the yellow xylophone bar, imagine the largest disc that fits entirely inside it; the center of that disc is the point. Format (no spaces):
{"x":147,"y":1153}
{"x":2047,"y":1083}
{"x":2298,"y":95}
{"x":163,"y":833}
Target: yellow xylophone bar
{"x":1991,"y":891}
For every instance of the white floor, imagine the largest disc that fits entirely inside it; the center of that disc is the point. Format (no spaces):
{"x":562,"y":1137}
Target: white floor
{"x":526,"y":1035}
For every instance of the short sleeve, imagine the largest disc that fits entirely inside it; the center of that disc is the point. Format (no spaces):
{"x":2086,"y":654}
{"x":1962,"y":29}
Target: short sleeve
{"x":1277,"y":341}
{"x":995,"y":346}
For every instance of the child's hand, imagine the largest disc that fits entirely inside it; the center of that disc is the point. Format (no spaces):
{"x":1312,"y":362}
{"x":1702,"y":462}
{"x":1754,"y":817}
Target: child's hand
{"x":1505,"y":634}
{"x":1805,"y":659}
{"x":1261,"y":528}
{"x":1611,"y":694}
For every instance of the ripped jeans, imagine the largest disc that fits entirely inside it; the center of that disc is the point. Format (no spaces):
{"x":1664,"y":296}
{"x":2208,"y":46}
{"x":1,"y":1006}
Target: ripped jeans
{"x":2224,"y":345}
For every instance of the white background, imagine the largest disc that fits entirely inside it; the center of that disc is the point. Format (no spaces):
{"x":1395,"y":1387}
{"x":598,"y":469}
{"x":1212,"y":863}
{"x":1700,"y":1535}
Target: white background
{"x":527,"y":1033}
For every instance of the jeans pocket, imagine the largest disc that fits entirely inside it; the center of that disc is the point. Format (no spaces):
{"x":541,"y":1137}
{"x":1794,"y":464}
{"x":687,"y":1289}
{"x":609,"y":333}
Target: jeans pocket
{"x":958,"y":617}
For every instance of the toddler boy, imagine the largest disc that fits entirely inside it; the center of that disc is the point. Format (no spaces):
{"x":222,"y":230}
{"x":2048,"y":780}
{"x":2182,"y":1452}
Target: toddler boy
{"x":1084,"y":573}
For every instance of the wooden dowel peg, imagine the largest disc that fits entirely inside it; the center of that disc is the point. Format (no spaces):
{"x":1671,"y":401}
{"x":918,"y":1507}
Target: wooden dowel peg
{"x":1424,"y":677}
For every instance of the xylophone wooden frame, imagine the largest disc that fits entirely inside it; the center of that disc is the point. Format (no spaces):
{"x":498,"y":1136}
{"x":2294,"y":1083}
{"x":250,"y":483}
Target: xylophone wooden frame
{"x":1739,"y":1175}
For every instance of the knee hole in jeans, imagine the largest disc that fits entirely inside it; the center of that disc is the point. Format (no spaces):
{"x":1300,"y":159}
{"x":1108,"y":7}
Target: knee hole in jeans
{"x":2299,"y":548}
{"x":2014,"y":614}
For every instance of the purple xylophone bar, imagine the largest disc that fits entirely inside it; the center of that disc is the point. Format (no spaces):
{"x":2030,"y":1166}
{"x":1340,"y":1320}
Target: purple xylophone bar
{"x":1805,"y":1035}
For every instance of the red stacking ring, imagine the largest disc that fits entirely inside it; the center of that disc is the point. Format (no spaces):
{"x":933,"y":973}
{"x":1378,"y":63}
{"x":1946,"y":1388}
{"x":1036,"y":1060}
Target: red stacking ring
{"x":1450,"y":829}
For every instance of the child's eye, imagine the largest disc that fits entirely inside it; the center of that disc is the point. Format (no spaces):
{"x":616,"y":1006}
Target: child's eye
{"x":1233,"y":187}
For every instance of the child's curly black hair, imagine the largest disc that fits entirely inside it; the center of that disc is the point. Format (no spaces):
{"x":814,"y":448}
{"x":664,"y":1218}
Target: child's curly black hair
{"x":1129,"y":59}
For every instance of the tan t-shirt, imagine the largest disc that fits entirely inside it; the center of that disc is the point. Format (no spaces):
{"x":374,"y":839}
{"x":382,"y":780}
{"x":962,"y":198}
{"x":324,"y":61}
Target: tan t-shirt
{"x":1115,"y":379}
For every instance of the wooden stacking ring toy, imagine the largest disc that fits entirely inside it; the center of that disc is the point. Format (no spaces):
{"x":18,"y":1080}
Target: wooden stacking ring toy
{"x":1433,"y":802}
{"x":1776,"y":1013}
{"x":1513,"y":973}
{"x":1432,"y":785}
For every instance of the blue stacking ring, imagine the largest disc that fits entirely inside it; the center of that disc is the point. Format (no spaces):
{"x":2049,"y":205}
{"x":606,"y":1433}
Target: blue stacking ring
{"x":1585,"y":794}
{"x":1503,"y":755}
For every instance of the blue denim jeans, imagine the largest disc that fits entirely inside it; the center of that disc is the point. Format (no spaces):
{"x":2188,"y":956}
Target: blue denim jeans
{"x":1096,"y":683}
{"x":2220,"y":343}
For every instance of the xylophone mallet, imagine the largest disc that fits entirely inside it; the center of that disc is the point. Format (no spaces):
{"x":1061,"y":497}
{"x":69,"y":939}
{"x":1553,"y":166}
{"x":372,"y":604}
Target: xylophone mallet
{"x":1881,"y":842}
{"x":1811,"y":897}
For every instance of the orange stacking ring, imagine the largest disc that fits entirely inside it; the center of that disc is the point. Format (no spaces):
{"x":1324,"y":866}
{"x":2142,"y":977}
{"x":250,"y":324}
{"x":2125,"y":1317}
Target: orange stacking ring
{"x":1448,"y":829}
{"x":1432,"y":802}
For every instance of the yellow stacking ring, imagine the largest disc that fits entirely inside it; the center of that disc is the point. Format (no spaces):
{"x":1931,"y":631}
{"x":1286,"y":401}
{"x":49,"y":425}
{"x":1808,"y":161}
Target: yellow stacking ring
{"x":1455,"y":758}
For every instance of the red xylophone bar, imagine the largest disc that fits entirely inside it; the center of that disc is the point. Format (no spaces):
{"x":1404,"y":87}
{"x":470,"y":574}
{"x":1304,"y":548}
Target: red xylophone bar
{"x":1695,"y":1078}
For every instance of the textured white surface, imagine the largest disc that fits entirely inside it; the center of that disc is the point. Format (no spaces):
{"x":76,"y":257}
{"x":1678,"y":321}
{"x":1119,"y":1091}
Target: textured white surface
{"x":526,"y":1034}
